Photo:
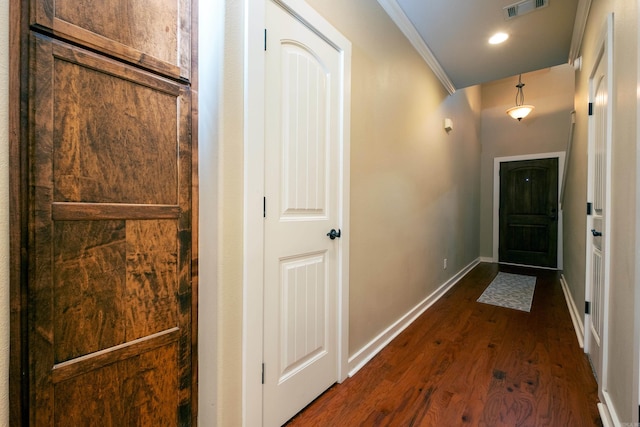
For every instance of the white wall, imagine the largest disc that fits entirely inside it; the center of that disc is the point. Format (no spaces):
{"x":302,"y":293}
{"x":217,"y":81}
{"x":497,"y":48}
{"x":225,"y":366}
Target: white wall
{"x":210,"y":39}
{"x":4,"y":213}
{"x":220,"y":139}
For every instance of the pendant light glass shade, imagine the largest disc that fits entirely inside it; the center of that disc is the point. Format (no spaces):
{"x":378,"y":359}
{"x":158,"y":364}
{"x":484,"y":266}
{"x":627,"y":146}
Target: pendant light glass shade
{"x":520,"y":111}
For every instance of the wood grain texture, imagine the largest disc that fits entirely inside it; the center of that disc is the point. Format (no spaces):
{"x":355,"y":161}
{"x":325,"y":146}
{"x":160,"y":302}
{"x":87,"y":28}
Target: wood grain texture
{"x":114,"y":282}
{"x":151,"y":295}
{"x":89,"y":287}
{"x":154,"y":34}
{"x":102,"y":212}
{"x":76,"y":367}
{"x":62,"y":211}
{"x":40,"y":236}
{"x":195,"y":201}
{"x":134,"y":392}
{"x":115,"y":132}
{"x":109,"y":242}
{"x":18,"y":208}
{"x":468,"y":363}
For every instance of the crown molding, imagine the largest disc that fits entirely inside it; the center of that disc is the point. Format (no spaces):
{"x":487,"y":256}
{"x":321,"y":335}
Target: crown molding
{"x":582,"y":13}
{"x":405,"y":25}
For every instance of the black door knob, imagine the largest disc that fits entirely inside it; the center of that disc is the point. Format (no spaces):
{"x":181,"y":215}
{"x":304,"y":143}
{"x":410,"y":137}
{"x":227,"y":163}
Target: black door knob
{"x":595,"y":233}
{"x":333,"y":234}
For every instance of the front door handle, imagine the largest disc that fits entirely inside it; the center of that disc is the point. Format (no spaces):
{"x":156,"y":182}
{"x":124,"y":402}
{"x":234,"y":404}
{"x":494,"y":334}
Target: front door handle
{"x":595,"y":232}
{"x":333,"y":233}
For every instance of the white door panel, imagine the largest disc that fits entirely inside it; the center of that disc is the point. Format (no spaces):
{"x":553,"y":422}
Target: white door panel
{"x":303,"y":290}
{"x":303,"y":190}
{"x":598,"y":233}
{"x":305,"y":147}
{"x":598,"y":176}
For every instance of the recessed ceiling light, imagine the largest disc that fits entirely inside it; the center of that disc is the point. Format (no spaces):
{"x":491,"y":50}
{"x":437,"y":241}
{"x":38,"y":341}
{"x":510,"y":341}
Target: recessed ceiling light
{"x":498,"y":38}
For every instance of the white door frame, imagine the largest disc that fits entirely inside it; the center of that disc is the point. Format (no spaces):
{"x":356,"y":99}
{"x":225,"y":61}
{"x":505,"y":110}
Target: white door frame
{"x":636,"y":305}
{"x":496,"y":197}
{"x":254,"y":171}
{"x":604,"y":46}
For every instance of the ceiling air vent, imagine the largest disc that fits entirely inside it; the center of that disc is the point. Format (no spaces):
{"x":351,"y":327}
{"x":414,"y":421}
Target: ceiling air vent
{"x":523,"y":7}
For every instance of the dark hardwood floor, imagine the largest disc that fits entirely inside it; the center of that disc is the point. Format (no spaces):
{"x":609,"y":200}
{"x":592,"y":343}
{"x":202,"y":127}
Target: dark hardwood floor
{"x":467,"y":363}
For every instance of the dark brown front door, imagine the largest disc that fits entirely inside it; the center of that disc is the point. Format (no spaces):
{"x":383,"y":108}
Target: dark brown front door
{"x":529,"y":212}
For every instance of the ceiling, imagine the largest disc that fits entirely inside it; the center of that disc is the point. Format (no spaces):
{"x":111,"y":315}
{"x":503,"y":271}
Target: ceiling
{"x":452,"y":36}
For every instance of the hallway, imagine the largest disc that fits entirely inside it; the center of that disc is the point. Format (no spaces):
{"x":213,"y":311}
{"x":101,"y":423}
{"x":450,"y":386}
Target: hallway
{"x":467,"y":363}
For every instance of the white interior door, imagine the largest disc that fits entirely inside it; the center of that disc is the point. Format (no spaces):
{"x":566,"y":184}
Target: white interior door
{"x":303,"y":190}
{"x":597,"y":263}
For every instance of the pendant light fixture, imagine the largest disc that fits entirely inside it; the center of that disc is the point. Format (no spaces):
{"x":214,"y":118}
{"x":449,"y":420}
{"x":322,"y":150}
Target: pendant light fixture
{"x":520,"y":111}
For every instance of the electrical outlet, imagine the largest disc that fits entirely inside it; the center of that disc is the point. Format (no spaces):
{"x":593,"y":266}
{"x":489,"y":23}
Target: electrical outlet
{"x":444,"y":264}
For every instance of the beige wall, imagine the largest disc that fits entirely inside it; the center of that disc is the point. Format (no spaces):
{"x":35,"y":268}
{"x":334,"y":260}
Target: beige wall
{"x":625,"y":283}
{"x":4,"y":213}
{"x":545,"y":130}
{"x":414,"y":190}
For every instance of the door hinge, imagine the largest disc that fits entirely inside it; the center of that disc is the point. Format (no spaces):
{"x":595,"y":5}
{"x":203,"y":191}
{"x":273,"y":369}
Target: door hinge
{"x":587,"y":307}
{"x":589,"y":208}
{"x":590,"y":107}
{"x":265,"y":39}
{"x":264,"y":207}
{"x":262,"y":373}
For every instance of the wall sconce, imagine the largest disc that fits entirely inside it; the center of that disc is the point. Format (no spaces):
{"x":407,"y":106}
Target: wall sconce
{"x":520,"y":111}
{"x":448,"y":125}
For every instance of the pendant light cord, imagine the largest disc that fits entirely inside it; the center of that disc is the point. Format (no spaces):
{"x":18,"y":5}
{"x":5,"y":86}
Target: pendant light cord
{"x":519,"y":94}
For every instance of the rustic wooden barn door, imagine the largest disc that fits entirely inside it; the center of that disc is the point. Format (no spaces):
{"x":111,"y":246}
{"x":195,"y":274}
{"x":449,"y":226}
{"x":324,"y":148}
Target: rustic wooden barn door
{"x":109,"y":319}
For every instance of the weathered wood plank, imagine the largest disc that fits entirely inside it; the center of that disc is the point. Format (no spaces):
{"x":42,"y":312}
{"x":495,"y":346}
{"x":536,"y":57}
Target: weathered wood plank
{"x":110,"y":205}
{"x":154,"y":34}
{"x":132,"y":392}
{"x":151,"y":295}
{"x":40,"y":273}
{"x":63,"y":211}
{"x":74,"y":367}
{"x":89,"y":287}
{"x":115,"y":132}
{"x":18,"y":210}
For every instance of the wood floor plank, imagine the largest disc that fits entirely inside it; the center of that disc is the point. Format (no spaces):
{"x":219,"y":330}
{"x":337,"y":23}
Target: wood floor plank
{"x":467,"y":363}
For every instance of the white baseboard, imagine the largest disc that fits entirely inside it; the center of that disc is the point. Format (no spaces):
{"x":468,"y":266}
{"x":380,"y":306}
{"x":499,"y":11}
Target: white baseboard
{"x":604,"y":415}
{"x":576,"y":315}
{"x":608,"y":413}
{"x":366,"y":353}
{"x":486,"y":259}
